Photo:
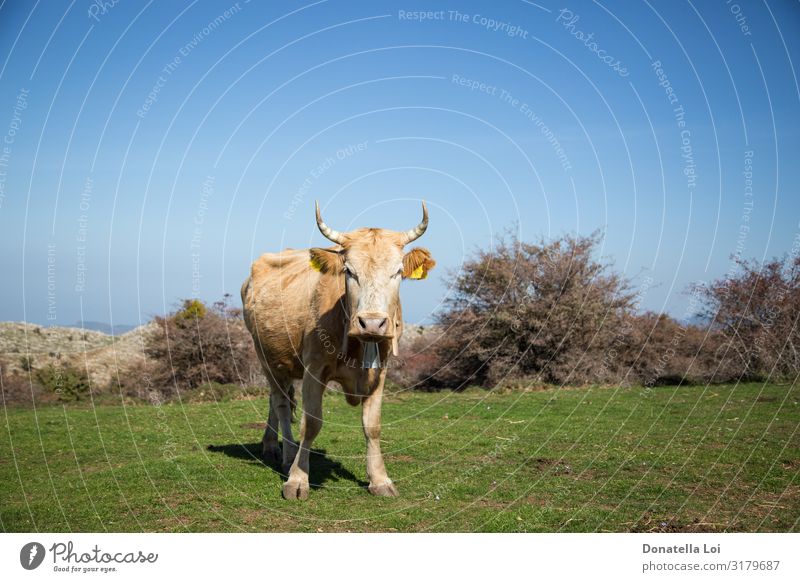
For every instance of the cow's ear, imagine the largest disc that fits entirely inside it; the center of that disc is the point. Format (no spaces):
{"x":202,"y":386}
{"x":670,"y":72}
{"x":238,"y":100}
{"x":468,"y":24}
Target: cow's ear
{"x":416,"y":263}
{"x":326,"y":260}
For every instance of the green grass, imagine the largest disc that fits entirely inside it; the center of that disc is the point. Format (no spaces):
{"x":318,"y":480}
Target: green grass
{"x":601,"y":459}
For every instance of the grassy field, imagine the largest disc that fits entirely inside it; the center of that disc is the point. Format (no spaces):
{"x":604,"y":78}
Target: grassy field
{"x":601,"y":459}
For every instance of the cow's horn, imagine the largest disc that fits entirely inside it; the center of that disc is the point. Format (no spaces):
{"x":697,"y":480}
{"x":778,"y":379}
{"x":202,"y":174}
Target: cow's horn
{"x":419,"y":230}
{"x":327,"y":231}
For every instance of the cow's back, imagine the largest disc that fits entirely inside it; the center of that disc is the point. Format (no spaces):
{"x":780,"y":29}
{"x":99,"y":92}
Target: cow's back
{"x":277,"y":300}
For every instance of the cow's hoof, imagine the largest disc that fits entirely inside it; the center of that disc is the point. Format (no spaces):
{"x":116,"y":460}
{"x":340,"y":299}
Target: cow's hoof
{"x":271,"y":452}
{"x":295,"y":489}
{"x":385,"y":489}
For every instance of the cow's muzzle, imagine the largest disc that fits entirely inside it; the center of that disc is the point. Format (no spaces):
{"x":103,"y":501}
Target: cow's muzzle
{"x":372,"y":326}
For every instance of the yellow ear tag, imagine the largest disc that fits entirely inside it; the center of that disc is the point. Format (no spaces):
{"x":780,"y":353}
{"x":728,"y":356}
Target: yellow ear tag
{"x":315,"y":263}
{"x":418,"y":273}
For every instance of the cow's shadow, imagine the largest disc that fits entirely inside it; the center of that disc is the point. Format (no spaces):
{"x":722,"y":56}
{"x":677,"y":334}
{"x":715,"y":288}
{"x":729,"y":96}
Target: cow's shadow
{"x":322,"y":468}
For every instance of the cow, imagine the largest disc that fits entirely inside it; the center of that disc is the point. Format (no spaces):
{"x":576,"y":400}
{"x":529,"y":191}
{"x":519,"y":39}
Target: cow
{"x":332,"y":314}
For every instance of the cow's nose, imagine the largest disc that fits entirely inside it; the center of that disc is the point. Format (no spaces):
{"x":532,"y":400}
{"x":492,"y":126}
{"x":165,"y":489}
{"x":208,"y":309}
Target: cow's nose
{"x":372,"y":325}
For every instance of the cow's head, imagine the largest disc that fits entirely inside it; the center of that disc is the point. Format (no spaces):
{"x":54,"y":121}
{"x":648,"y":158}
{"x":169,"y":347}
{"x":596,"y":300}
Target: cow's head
{"x":373,"y":261}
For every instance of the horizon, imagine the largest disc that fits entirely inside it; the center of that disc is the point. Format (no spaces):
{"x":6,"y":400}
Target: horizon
{"x":150,"y":154}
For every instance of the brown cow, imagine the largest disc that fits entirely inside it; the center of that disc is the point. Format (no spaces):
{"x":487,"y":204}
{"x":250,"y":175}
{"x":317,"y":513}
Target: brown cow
{"x":330,"y":314}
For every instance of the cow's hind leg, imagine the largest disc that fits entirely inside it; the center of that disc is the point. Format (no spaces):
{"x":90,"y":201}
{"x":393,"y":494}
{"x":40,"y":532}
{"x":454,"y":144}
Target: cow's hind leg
{"x":296,"y":487}
{"x":270,"y":449}
{"x":281,"y":402}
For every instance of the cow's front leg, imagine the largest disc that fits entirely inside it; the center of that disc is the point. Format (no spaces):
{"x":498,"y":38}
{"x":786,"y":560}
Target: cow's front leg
{"x":296,"y":487}
{"x":379,"y":482}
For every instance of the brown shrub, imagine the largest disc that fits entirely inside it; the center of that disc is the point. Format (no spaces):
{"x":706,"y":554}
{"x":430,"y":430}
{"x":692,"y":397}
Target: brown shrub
{"x":525,"y":314}
{"x":546,"y":311}
{"x":756,"y":313}
{"x":196,"y":345}
{"x":656,"y":349}
{"x":418,"y":361}
{"x":23,"y":388}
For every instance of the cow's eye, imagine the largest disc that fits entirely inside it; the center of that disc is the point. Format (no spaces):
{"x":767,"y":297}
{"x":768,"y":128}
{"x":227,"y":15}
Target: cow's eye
{"x":399,"y":273}
{"x":350,"y":273}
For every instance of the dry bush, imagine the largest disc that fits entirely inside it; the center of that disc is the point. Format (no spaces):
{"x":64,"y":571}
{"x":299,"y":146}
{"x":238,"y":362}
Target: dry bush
{"x":199,"y":345}
{"x":418,"y":361}
{"x":18,"y":388}
{"x":655,"y":349}
{"x":525,"y":314}
{"x":546,"y":311}
{"x":756,"y":312}
{"x":25,"y":388}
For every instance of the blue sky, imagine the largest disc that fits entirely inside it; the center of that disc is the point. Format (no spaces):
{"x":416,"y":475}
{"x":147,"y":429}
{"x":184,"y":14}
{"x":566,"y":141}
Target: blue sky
{"x":152,"y":150}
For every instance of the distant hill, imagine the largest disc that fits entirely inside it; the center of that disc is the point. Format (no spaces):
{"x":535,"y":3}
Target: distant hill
{"x":24,"y":345}
{"x":109,"y":329}
{"x":106,"y":357}
{"x":29,"y":338}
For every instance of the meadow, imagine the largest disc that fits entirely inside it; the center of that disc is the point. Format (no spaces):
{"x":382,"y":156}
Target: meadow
{"x":692,"y":458}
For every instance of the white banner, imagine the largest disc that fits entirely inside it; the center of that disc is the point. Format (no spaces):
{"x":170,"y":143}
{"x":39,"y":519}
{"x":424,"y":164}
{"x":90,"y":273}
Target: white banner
{"x":363,"y":557}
